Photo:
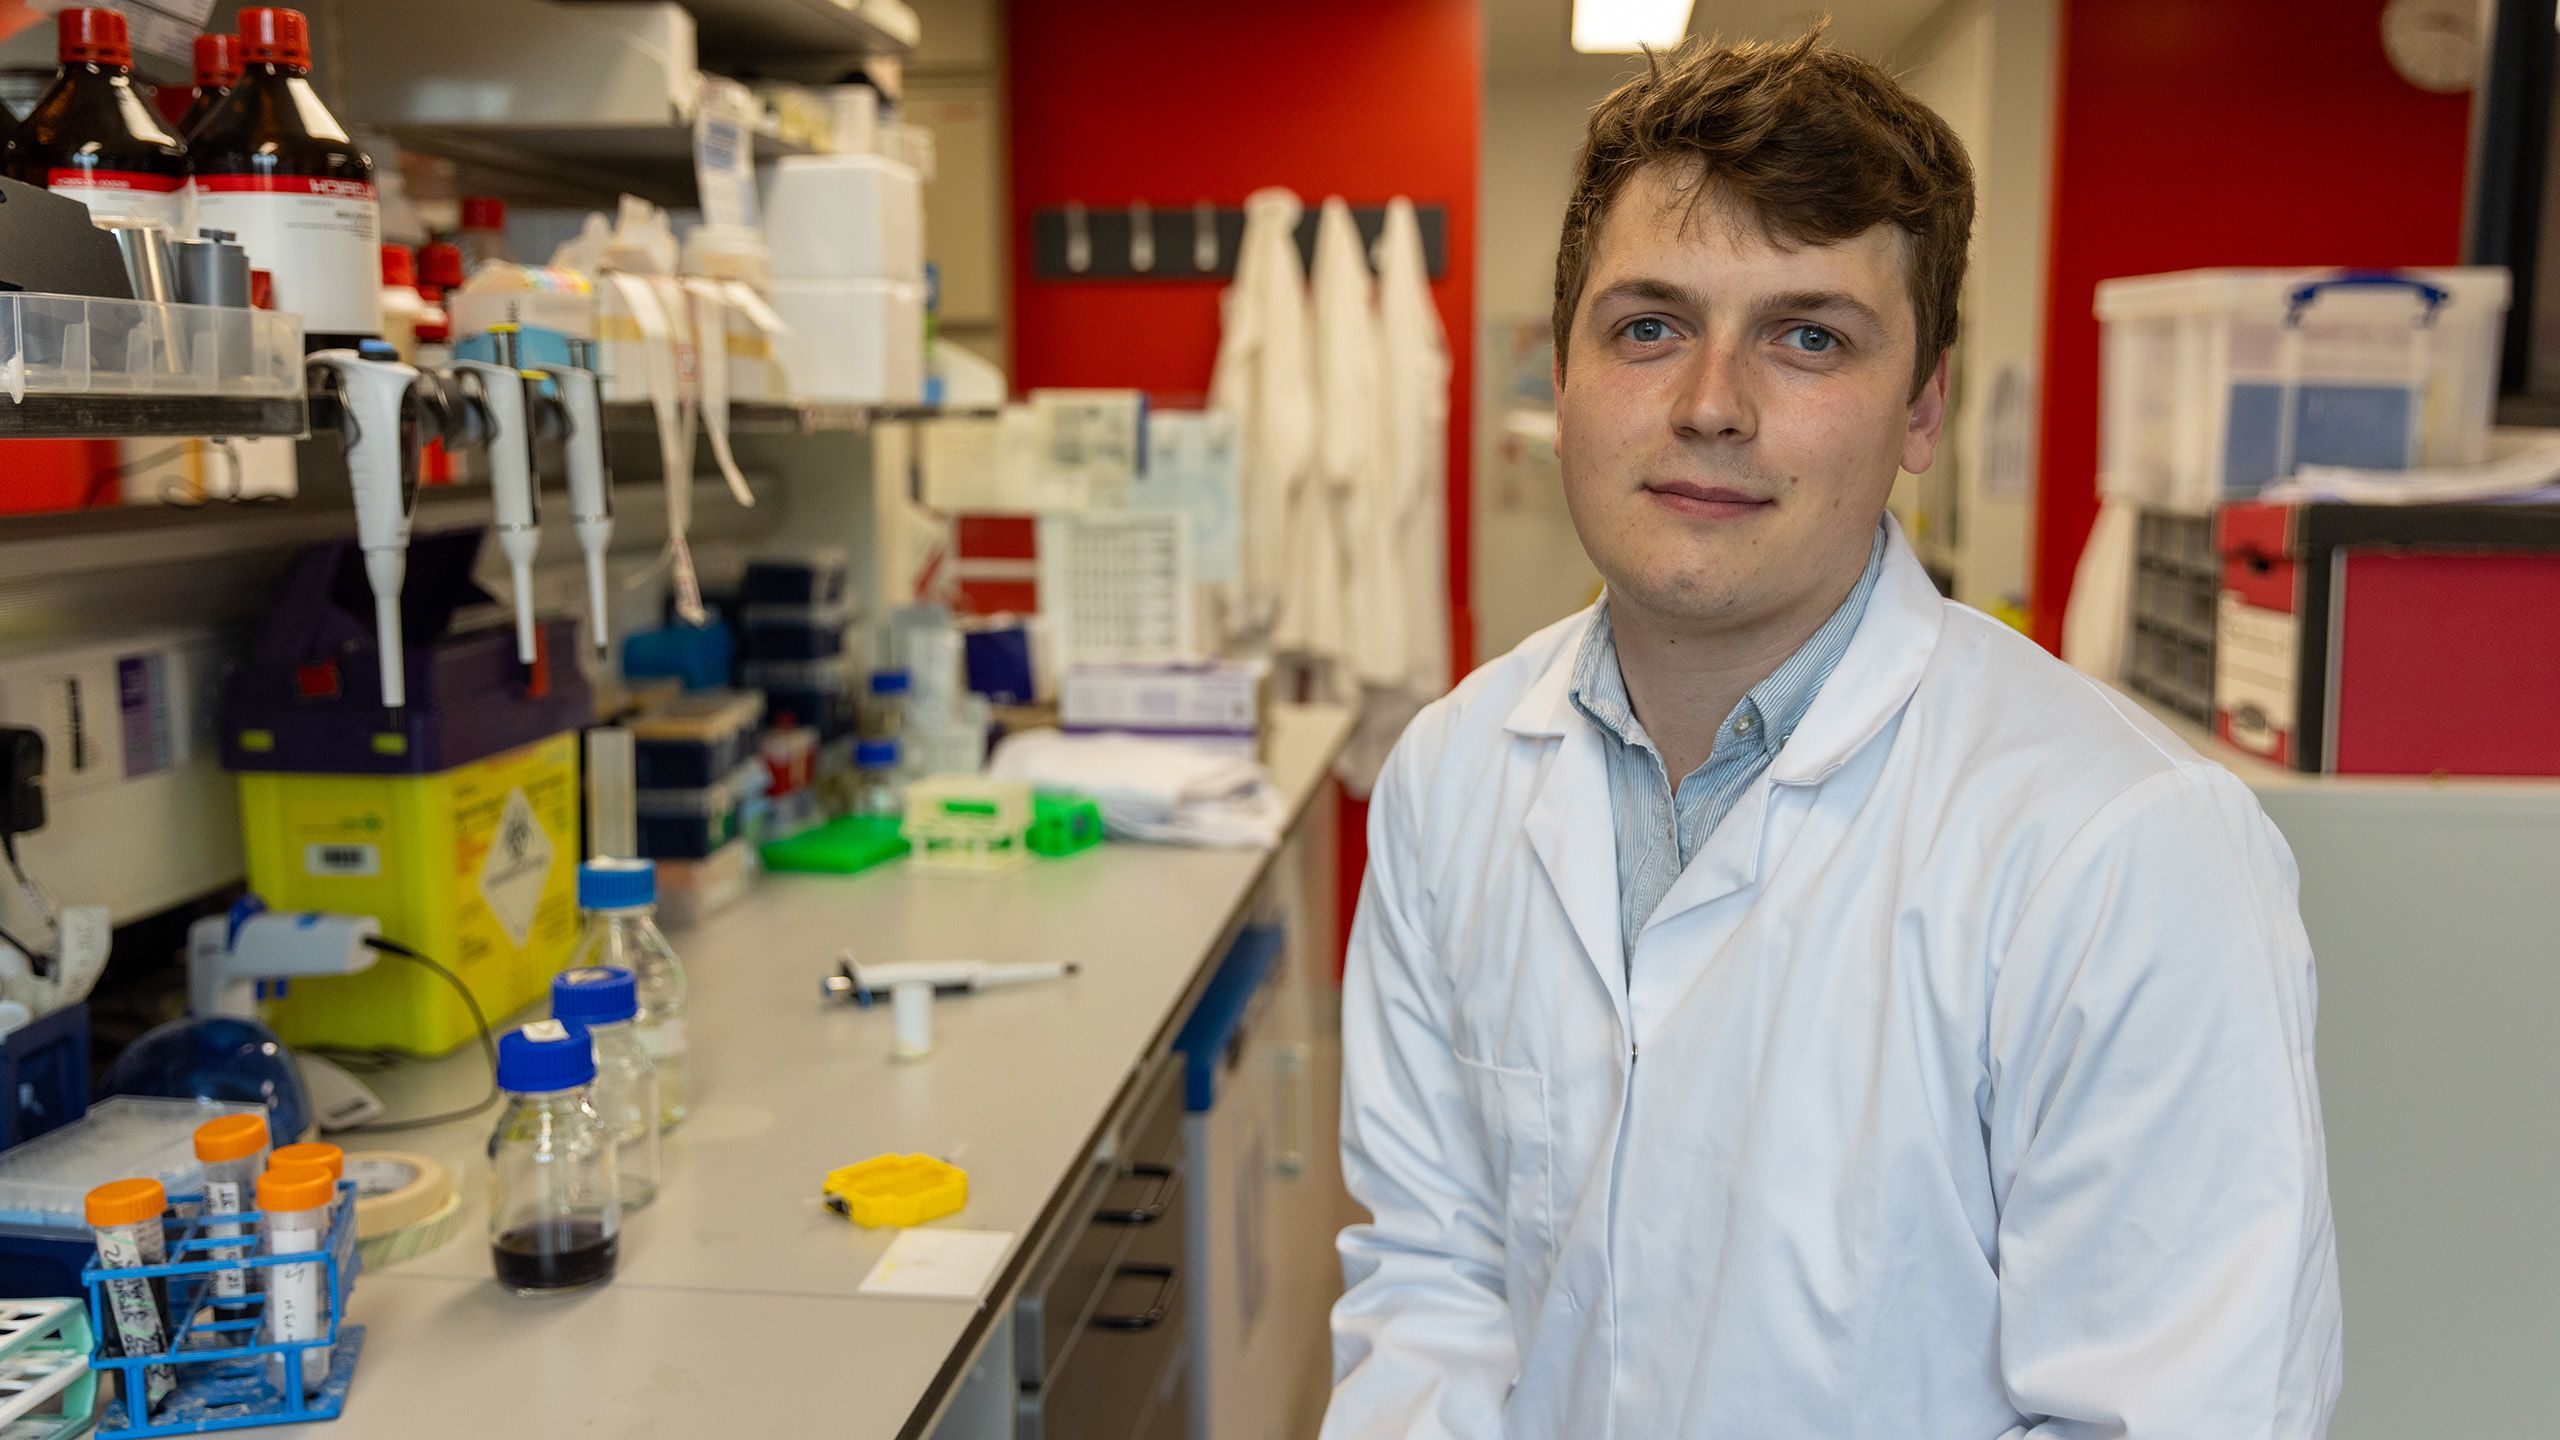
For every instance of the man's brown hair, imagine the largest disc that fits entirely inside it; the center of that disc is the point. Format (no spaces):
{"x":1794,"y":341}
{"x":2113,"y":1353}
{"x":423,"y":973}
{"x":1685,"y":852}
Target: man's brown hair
{"x":1819,"y":144}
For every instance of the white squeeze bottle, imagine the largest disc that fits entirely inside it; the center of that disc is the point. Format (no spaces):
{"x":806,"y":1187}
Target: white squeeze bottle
{"x":621,"y":901}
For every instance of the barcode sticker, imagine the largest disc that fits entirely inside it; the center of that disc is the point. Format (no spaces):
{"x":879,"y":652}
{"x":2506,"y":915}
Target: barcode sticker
{"x":342,"y":862}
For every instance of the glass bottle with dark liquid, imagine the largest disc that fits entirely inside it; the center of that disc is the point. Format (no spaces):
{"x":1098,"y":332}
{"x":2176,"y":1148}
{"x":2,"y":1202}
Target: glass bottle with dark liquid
{"x":217,"y":70}
{"x":93,"y":137}
{"x":274,"y":168}
{"x":560,"y":1255}
{"x":555,"y":1203}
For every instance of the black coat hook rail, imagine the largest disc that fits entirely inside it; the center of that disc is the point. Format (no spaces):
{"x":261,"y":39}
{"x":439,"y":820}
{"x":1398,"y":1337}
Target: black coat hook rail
{"x":1145,"y":242}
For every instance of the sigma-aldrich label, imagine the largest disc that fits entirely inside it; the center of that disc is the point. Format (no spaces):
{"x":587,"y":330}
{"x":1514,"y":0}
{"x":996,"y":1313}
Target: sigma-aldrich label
{"x":124,"y":194}
{"x":319,"y":239}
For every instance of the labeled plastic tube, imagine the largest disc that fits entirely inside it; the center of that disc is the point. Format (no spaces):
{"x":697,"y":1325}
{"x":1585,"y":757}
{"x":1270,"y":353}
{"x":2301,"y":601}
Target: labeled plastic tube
{"x":125,"y":1215}
{"x":911,"y":1001}
{"x":297,"y":1200}
{"x":233,"y":1149}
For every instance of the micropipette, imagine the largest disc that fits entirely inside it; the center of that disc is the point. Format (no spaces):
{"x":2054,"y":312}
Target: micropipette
{"x":869,"y":984}
{"x":513,"y":495}
{"x":590,"y":487}
{"x":382,"y":450}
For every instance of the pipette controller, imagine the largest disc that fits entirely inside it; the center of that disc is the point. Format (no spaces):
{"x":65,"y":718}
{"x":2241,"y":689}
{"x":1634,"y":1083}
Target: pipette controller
{"x":512,"y":493}
{"x":381,"y":446}
{"x":869,"y":984}
{"x":590,"y":485}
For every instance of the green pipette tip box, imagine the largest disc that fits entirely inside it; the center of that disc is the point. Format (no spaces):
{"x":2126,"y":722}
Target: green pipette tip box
{"x":839,"y":847}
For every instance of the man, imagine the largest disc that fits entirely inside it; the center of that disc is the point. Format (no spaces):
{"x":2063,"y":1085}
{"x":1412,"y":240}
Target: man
{"x":1784,"y":1003}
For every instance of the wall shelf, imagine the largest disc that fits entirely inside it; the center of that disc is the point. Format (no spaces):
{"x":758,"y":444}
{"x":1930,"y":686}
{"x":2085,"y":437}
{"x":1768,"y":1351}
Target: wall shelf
{"x":580,"y":163}
{"x":803,"y":30}
{"x":105,"y":415}
{"x":755,"y":418}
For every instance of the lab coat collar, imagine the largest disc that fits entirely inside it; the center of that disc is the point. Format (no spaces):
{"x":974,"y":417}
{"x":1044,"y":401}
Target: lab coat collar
{"x":1875,"y":678}
{"x":1876,"y":675}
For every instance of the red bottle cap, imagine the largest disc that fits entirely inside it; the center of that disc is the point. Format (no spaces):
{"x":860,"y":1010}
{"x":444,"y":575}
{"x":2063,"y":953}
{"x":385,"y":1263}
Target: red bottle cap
{"x":399,"y":267}
{"x":270,"y":35}
{"x":440,"y":265}
{"x":94,"y":37}
{"x":483,"y":212}
{"x":217,"y":61}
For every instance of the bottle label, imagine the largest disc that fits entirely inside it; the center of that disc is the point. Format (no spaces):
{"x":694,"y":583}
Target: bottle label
{"x":222,"y":1197}
{"x":319,"y":239}
{"x":124,"y":195}
{"x":296,"y":1309}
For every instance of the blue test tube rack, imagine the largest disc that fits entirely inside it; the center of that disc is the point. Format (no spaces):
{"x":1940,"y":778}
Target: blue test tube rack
{"x":224,"y":1380}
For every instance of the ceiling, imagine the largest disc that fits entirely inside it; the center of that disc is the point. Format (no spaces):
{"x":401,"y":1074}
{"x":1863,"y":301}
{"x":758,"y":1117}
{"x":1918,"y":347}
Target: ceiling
{"x":1527,"y":39}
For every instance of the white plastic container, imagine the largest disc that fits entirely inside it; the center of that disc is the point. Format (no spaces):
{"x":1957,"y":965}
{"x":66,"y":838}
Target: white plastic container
{"x":845,"y":217}
{"x":2215,"y":383}
{"x":852,"y":342}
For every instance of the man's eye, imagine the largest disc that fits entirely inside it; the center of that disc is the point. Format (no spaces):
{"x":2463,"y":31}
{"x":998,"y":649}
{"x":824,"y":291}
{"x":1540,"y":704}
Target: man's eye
{"x":1811,"y":339}
{"x":1646,"y":330}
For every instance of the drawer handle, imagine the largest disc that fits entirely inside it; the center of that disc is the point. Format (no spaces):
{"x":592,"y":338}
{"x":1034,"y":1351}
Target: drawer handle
{"x":1159,"y":1198}
{"x":1167,"y":1281}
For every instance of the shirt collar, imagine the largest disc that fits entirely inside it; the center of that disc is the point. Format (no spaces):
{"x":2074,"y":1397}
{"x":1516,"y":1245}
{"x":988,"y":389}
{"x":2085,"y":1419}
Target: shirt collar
{"x":1766,"y":716}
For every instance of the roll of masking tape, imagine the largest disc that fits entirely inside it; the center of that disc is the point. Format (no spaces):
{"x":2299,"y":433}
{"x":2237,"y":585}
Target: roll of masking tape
{"x":396,"y":1190}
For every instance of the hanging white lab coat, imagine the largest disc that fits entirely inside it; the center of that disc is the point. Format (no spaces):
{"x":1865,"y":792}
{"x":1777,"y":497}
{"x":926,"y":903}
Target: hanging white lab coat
{"x":1975,"y":1099}
{"x":1411,"y":543}
{"x":1324,"y":617}
{"x":1265,"y":377}
{"x":1400,"y":590}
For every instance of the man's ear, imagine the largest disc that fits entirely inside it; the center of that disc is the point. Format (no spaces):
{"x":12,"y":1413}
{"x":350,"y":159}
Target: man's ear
{"x":1555,"y":381}
{"x":1928,"y":419}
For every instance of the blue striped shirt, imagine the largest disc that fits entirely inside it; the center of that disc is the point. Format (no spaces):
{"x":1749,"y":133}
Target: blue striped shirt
{"x":1659,"y":829}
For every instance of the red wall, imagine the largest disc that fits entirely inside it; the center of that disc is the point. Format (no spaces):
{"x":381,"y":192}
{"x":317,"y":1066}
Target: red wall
{"x":2219,"y":132}
{"x":1174,"y":102}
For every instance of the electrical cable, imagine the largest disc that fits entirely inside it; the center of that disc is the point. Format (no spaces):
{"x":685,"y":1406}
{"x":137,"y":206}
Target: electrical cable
{"x":39,"y":961}
{"x":479,"y":1022}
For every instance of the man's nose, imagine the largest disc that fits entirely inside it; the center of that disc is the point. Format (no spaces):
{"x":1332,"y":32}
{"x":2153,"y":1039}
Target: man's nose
{"x":1714,"y":399}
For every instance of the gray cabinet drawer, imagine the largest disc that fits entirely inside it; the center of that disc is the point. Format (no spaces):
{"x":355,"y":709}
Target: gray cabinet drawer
{"x":1129,"y":1374}
{"x":1121,"y":1213}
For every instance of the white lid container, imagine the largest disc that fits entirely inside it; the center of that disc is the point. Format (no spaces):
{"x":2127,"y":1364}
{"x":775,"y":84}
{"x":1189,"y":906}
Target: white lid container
{"x":852,"y":342}
{"x":2215,"y":383}
{"x":845,"y":217}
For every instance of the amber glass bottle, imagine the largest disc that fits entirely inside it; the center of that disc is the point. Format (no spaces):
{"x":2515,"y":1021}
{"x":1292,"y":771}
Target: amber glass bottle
{"x":93,"y":137}
{"x":273,"y":167}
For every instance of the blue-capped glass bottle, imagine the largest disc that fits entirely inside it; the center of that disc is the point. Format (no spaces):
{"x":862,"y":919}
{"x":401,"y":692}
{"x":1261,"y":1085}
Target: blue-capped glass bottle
{"x":620,"y":898}
{"x":555,"y":1200}
{"x":606,"y":1000}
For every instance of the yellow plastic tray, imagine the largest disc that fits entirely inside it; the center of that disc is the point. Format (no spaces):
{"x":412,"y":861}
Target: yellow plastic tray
{"x":897,"y":1190}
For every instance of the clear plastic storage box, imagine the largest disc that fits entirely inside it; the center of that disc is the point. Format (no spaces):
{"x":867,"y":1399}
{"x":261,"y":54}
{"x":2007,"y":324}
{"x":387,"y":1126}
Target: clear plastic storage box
{"x":77,"y":345}
{"x":44,"y":1182}
{"x":2217,"y":382}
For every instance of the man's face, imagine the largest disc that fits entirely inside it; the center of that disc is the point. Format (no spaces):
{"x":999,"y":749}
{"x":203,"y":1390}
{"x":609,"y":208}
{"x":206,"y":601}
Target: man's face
{"x":1731,"y":413}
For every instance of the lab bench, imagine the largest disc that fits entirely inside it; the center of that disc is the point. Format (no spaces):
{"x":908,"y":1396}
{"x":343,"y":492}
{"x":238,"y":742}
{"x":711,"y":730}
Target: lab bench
{"x":736,"y":1310}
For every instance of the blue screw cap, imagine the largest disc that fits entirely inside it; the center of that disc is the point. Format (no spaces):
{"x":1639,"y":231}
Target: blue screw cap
{"x":595,"y":995}
{"x":544,"y":1057}
{"x":617,"y":884}
{"x":875,"y":754}
{"x":889,"y":682}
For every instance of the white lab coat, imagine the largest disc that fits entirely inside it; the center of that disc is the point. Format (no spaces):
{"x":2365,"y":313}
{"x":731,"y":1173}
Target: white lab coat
{"x":1399,"y":589}
{"x":1324,"y":617}
{"x":1975,"y":1099}
{"x":1411,"y":541}
{"x":1265,"y":376}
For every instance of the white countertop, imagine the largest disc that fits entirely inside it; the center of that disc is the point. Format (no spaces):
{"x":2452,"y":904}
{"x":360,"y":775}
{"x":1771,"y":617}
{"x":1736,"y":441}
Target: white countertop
{"x":736,"y":1290}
